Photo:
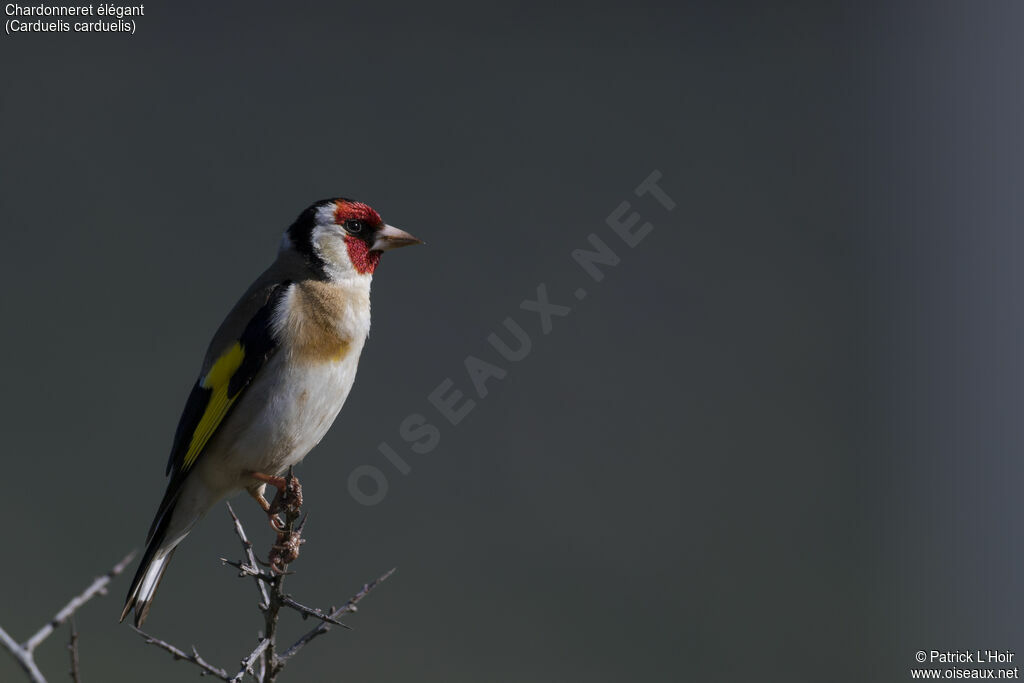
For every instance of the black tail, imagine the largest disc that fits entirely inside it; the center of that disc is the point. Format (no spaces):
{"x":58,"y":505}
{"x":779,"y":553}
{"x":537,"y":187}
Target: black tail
{"x":154,"y":563}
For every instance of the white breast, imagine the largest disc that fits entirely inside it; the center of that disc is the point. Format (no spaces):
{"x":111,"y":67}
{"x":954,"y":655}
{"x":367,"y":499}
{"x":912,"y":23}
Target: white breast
{"x":298,"y":404}
{"x":296,"y":397}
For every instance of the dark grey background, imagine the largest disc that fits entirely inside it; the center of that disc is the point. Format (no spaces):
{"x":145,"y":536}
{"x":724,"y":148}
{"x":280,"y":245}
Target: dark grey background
{"x":780,"y":441}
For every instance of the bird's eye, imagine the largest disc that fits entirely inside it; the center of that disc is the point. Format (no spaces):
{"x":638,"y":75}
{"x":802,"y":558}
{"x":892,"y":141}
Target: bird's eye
{"x":353,"y":226}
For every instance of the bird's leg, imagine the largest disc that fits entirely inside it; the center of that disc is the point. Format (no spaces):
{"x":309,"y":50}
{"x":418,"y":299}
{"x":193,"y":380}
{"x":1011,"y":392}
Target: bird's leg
{"x":257,"y":495}
{"x":289,"y":501}
{"x":289,"y":493}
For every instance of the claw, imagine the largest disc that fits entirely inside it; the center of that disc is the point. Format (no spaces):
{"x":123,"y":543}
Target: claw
{"x":288,"y":501}
{"x":289,"y":493}
{"x":272,"y":517}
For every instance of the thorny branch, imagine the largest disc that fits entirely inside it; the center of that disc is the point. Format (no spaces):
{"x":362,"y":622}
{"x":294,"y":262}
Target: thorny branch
{"x":347,"y":608}
{"x":249,"y":555}
{"x":24,"y":653}
{"x":76,"y":675}
{"x":178,"y":654}
{"x":284,"y":551}
{"x":265,"y":663}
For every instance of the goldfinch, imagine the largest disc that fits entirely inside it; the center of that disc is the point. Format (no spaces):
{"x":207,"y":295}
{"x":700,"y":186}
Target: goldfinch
{"x":275,"y":376}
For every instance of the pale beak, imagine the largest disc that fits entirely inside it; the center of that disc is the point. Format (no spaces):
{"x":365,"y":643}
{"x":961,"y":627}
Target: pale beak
{"x":390,"y":237}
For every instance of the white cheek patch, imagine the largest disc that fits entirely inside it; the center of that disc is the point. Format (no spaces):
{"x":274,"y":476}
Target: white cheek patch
{"x":329,"y":243}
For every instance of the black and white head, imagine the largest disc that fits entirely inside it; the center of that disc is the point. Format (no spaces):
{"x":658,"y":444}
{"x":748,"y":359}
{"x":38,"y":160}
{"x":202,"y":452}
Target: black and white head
{"x":343,"y":238}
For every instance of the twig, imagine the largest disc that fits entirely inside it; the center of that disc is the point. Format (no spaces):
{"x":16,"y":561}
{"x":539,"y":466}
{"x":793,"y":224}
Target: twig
{"x":24,"y":653}
{"x":76,"y":675}
{"x":249,"y":570}
{"x":348,"y":607}
{"x":23,"y":656}
{"x":271,"y":664}
{"x":249,"y":554}
{"x":99,"y":586}
{"x":288,"y":601}
{"x":253,"y":657}
{"x":265,"y":663}
{"x":178,"y":654}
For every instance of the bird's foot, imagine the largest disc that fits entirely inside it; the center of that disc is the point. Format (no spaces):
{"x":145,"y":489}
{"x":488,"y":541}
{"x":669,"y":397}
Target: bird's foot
{"x":275,"y":520}
{"x":289,"y":494}
{"x":289,"y":502}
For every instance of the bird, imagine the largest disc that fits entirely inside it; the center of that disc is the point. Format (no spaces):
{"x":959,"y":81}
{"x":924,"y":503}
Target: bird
{"x":275,"y":376}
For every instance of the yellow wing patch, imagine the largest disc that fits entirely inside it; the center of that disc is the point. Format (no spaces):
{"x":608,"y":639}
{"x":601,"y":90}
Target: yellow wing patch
{"x":217,"y":380}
